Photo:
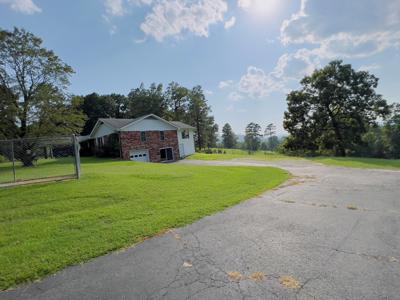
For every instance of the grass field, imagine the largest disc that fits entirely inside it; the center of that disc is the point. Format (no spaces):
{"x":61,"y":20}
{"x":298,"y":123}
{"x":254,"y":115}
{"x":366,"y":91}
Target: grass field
{"x":43,"y":168}
{"x":44,"y":228}
{"x":356,"y":162}
{"x":350,"y":162}
{"x":240,"y":154}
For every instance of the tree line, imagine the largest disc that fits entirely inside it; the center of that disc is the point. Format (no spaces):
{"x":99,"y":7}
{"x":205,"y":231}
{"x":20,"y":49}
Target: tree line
{"x":337,"y":110}
{"x":34,"y":100}
{"x":175,"y":103}
{"x":254,"y":139}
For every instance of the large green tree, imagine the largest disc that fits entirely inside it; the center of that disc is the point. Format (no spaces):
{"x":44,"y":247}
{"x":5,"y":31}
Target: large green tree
{"x":97,"y":106}
{"x":29,"y":70}
{"x":34,"y":79}
{"x":142,"y":101}
{"x":198,"y":116}
{"x":334,"y":108}
{"x":8,"y":113}
{"x":177,"y":100}
{"x":253,"y":136}
{"x":229,"y":139}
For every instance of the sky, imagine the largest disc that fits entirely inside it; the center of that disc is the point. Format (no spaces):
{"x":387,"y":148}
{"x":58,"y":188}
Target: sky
{"x":246,"y":54}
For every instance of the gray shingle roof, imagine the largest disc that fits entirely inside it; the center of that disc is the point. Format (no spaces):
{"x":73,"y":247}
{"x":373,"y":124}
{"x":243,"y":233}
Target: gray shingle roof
{"x":117,"y":123}
{"x":181,"y":125}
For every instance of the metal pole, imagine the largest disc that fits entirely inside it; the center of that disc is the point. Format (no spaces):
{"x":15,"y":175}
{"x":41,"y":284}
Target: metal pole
{"x":77,"y":157}
{"x":13,"y":160}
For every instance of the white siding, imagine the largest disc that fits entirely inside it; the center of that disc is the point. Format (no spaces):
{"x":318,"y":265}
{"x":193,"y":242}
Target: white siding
{"x":102,"y":130}
{"x":186,"y":146}
{"x":149,"y":124}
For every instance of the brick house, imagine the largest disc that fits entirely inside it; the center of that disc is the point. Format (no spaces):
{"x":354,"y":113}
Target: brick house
{"x":147,"y":139}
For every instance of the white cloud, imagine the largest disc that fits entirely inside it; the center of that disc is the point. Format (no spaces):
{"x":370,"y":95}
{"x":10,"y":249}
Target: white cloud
{"x":357,"y":29}
{"x":244,"y":3}
{"x":230,"y":23}
{"x":235,"y":96}
{"x":289,"y":70}
{"x":27,"y":7}
{"x":114,"y":7}
{"x":256,"y":83}
{"x":224,"y":84}
{"x":208,"y":92}
{"x":174,"y":17}
{"x":141,"y":2}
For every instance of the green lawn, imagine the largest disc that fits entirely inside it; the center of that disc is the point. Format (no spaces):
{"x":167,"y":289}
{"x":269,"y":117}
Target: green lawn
{"x":351,"y":162}
{"x":357,"y":162}
{"x":44,"y":228}
{"x":241,"y":154}
{"x":43,"y":168}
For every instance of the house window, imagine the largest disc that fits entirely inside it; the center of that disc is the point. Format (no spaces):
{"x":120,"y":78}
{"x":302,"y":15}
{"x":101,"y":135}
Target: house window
{"x":143,"y":136}
{"x":162,"y":136}
{"x":100,"y":142}
{"x":185,"y":134}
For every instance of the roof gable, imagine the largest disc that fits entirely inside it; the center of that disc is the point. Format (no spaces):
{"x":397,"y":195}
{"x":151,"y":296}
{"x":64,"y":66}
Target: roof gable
{"x":123,"y":124}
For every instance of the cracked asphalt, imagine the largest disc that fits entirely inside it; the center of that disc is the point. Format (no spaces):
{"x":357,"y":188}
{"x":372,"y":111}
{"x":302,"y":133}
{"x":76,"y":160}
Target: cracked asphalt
{"x":328,"y":233}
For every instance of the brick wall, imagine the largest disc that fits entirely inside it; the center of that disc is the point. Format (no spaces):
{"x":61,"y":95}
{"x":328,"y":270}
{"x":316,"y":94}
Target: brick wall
{"x":130,"y":140}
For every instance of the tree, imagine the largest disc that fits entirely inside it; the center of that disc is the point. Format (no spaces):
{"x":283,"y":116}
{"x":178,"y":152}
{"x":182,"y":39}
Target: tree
{"x":270,"y":130}
{"x":253,"y":137}
{"x":102,"y":106}
{"x":272,"y":140}
{"x":228,"y":137}
{"x":333,"y":110}
{"x":27,"y":69}
{"x":56,"y":115}
{"x":142,"y":101}
{"x":392,"y":131}
{"x":8,"y":113}
{"x":198,"y":115}
{"x":273,"y":143}
{"x":38,"y":79}
{"x":177,"y":99}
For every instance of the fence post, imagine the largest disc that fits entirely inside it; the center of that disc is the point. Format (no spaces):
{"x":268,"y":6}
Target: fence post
{"x":13,"y":160}
{"x":77,"y":157}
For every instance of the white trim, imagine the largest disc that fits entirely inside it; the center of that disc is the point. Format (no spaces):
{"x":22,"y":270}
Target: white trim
{"x":96,"y":126}
{"x":145,"y":117}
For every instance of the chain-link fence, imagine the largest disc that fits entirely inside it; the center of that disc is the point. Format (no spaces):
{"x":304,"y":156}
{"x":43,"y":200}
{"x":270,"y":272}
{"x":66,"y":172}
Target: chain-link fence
{"x":29,"y":159}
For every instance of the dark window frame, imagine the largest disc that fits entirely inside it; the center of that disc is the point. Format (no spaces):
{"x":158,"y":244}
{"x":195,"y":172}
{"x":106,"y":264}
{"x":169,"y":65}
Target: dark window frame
{"x":162,"y":136}
{"x":143,"y":137}
{"x":165,"y":150}
{"x":185,"y":134}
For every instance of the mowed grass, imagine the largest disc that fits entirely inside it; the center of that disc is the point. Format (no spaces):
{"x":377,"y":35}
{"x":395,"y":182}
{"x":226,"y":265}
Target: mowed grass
{"x":43,"y":168}
{"x":350,"y":162}
{"x":241,"y":154}
{"x":44,"y":228}
{"x":358,"y":162}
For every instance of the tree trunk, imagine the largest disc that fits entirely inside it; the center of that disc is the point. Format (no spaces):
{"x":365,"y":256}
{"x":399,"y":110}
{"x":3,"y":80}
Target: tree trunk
{"x":340,"y":149}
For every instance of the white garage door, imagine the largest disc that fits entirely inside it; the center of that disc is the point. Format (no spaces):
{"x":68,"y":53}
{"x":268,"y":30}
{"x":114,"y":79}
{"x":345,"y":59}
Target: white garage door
{"x":139,"y":155}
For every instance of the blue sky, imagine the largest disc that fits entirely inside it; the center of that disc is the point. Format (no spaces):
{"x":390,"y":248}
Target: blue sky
{"x":246,"y":54}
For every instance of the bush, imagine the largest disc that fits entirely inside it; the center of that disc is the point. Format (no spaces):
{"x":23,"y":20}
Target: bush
{"x":2,"y":159}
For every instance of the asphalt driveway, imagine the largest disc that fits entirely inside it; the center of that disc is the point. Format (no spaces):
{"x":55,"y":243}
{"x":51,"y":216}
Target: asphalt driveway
{"x":329,"y":233}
